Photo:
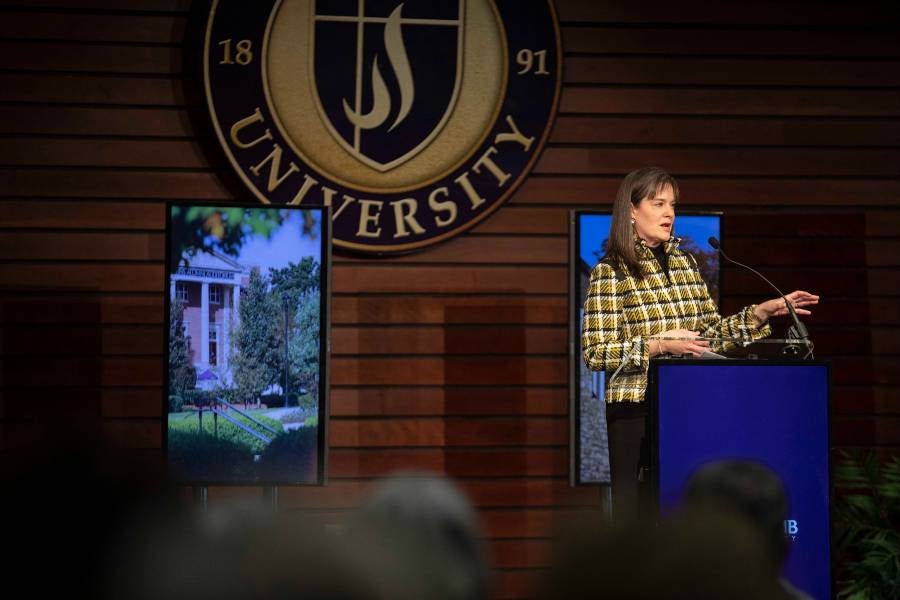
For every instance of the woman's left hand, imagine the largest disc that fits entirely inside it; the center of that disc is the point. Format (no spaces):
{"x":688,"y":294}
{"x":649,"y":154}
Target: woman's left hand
{"x":776,"y":307}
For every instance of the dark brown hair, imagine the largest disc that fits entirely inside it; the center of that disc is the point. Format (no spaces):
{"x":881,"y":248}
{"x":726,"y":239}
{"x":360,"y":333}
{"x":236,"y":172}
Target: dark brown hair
{"x":637,"y":185}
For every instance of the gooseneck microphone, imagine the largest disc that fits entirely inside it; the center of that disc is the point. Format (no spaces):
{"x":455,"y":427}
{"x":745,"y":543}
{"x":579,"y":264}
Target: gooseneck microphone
{"x":798,"y":331}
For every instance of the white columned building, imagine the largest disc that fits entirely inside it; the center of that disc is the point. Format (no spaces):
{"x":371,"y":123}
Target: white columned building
{"x":209,"y":288}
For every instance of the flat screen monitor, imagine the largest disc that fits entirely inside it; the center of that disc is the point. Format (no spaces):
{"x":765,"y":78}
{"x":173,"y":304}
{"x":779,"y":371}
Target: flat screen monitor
{"x":247,"y":323}
{"x":588,"y":233}
{"x":775,"y":414}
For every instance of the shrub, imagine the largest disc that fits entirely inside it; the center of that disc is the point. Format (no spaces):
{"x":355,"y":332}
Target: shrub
{"x":272,"y":400}
{"x":195,"y":397}
{"x":197,"y":456}
{"x":176,"y":403}
{"x":867,"y":513}
{"x":225,"y":430}
{"x":292,"y":456}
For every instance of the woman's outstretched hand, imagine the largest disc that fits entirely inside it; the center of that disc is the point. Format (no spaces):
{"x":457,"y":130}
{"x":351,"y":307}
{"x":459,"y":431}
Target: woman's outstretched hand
{"x":688,"y":345}
{"x":776,"y":307}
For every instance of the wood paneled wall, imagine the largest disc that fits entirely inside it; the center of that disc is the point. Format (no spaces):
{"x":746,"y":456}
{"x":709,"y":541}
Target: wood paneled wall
{"x":784,"y":115}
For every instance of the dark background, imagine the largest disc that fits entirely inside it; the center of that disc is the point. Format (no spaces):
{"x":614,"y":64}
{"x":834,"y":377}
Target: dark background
{"x":784,"y":115}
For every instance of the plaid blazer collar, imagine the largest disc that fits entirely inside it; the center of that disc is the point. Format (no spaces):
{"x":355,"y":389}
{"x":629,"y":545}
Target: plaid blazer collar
{"x":643,"y":249}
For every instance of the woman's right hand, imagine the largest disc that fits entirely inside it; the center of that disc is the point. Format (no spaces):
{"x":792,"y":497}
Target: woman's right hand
{"x":689,"y":345}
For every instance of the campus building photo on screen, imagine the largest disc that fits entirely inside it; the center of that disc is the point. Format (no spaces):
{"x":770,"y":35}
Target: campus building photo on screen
{"x":247,"y":299}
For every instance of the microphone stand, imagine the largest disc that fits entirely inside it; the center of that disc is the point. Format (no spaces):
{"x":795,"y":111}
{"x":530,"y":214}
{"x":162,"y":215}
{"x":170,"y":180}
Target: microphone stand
{"x":798,"y":330}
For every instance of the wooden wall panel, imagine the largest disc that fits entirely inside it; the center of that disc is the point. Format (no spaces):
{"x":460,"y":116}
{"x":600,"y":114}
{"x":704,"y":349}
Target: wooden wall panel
{"x":454,"y":359}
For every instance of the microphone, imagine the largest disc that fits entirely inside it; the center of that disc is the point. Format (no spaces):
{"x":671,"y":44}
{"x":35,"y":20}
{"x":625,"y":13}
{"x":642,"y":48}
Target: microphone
{"x":799,"y":329}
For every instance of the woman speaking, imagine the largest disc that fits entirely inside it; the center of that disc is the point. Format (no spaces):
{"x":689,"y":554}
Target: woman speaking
{"x":646,"y":298}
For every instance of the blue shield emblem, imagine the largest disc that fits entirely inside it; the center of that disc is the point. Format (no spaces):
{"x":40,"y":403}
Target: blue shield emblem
{"x":387,"y":73}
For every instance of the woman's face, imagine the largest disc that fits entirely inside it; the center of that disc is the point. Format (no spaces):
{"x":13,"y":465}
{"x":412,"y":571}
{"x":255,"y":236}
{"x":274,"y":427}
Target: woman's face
{"x":654,"y":216}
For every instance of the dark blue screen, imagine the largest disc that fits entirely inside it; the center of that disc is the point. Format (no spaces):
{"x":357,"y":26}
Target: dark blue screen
{"x":774,"y":414}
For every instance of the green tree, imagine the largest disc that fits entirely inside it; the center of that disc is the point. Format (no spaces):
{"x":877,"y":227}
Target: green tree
{"x":295,"y":280}
{"x":208,"y":228}
{"x":295,"y":289}
{"x":255,"y":361}
{"x":707,"y":262}
{"x":303,"y":346}
{"x":182,"y":374}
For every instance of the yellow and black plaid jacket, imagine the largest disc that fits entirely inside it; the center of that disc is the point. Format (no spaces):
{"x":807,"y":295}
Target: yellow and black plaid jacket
{"x":622,"y":312}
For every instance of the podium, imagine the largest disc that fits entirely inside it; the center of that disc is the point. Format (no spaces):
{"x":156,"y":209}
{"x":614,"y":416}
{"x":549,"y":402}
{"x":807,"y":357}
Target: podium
{"x":772,"y":412}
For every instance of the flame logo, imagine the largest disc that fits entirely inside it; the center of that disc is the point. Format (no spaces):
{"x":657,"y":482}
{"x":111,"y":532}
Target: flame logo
{"x":399,"y":61}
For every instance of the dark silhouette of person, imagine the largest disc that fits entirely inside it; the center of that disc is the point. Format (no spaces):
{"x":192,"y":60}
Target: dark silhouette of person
{"x":754,"y":493}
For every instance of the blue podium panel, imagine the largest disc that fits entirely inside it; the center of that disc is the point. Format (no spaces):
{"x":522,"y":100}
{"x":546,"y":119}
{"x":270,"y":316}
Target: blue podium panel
{"x":773,"y":413}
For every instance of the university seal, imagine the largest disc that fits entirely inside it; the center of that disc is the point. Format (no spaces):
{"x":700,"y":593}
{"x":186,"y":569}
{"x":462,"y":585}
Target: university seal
{"x":414,"y":120}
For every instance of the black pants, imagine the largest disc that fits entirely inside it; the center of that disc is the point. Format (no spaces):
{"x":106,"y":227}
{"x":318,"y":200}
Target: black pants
{"x":628,"y":457}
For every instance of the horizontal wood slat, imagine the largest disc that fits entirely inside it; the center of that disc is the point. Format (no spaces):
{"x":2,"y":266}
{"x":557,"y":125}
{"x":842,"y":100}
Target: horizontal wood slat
{"x":494,"y":313}
{"x":596,"y":39}
{"x":162,"y":154}
{"x":91,"y":342}
{"x":500,"y":524}
{"x":700,"y":192}
{"x":520,"y":554}
{"x":884,"y":430}
{"x":532,"y":462}
{"x":450,"y":279}
{"x":449,"y":370}
{"x":698,"y":40}
{"x":498,"y":493}
{"x":92,"y":152}
{"x":92,"y":89}
{"x":743,"y":72}
{"x":147,"y":434}
{"x":168,"y":92}
{"x":141,"y":277}
{"x":510,"y":219}
{"x":472,"y":399}
{"x":82,"y":246}
{"x":596,"y":192}
{"x":142,"y":6}
{"x":418,"y":401}
{"x":822,"y":133}
{"x":52,"y":307}
{"x":717,"y":161}
{"x":448,"y":431}
{"x":451,"y":340}
{"x":756,"y":12}
{"x":79,"y":58}
{"x":410,"y":371}
{"x":620,"y":129}
{"x":738,"y":222}
{"x":117,"y":185}
{"x":132,"y":59}
{"x":88,"y":27}
{"x":866,"y":400}
{"x":727,"y":101}
{"x":81,"y":214}
{"x":485,"y":250}
{"x":84,"y":340}
{"x":853,"y":225}
{"x":113,"y":121}
{"x":469,"y":401}
{"x":513,"y":344}
{"x":853,"y":282}
{"x":464,"y":249}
